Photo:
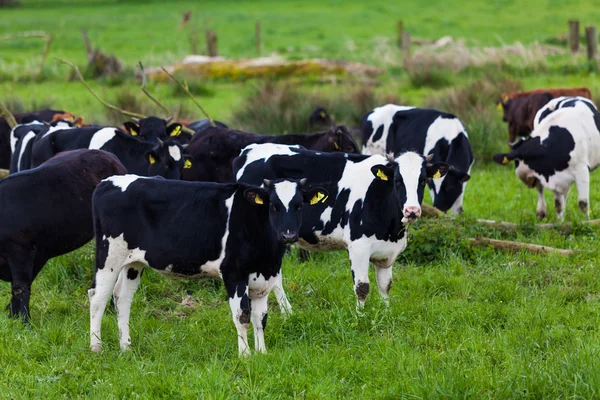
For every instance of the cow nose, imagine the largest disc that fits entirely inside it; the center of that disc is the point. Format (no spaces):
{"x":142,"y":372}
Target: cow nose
{"x":412,"y":212}
{"x":289,"y":237}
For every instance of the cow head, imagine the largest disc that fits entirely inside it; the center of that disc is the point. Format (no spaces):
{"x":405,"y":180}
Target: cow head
{"x":339,"y":139}
{"x":407,"y":176}
{"x":524,"y":151}
{"x":319,"y":117}
{"x":285,"y":200}
{"x":166,"y":159}
{"x":152,"y":128}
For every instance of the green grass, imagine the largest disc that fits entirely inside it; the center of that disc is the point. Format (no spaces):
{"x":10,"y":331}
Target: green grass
{"x":462,"y":323}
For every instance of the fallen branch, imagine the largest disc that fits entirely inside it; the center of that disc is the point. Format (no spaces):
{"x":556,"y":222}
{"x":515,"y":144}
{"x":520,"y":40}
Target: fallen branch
{"x":184,"y":86}
{"x":430,"y":211}
{"x":517,"y":246}
{"x":10,"y":119}
{"x":3,"y":173}
{"x":512,"y":227}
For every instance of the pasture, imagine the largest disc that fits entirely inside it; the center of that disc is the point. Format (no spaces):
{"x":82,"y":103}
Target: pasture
{"x":462,"y":322}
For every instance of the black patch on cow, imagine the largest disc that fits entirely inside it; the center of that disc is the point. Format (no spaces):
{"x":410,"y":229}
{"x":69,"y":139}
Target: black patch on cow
{"x":132,"y":274}
{"x":378,"y":133}
{"x":264,"y":320}
{"x":101,"y":253}
{"x":353,"y":278}
{"x":362,"y":290}
{"x":552,"y":155}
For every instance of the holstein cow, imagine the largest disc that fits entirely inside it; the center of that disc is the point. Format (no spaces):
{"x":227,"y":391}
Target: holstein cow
{"x":22,"y":138}
{"x":562,"y":150}
{"x":140,"y":157}
{"x":40,"y":116}
{"x":393,"y":129}
{"x":215,"y":150}
{"x":371,"y":200}
{"x":193,"y":230}
{"x":563,"y":102}
{"x":152,"y":128}
{"x":46,"y":212}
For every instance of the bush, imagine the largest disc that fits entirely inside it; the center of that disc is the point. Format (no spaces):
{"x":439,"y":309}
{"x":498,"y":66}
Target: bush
{"x":16,"y":105}
{"x":475,"y":104}
{"x":427,"y":76}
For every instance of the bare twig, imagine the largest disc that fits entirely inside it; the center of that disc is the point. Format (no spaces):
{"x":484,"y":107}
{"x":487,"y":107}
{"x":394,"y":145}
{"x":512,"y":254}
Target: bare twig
{"x":45,"y":54}
{"x":430,"y":211}
{"x":10,"y":119}
{"x":88,"y":46}
{"x":511,"y":227}
{"x":186,"y":89}
{"x":78,"y":73}
{"x":517,"y":246}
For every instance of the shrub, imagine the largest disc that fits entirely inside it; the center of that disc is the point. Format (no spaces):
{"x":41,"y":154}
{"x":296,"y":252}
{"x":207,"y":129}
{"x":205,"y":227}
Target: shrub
{"x":429,"y":76}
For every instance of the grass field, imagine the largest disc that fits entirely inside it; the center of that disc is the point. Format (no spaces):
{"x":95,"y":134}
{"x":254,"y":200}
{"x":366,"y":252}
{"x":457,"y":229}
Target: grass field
{"x":462,"y":323}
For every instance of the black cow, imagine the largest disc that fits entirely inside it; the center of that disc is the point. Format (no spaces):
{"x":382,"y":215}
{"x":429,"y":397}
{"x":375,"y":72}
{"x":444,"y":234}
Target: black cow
{"x":393,"y":129}
{"x":214,"y":152}
{"x":152,"y":128}
{"x":371,"y":200}
{"x":5,"y":148}
{"x":46,"y":212}
{"x":200,"y":127}
{"x":319,"y":119}
{"x":140,"y":157}
{"x":193,"y":230}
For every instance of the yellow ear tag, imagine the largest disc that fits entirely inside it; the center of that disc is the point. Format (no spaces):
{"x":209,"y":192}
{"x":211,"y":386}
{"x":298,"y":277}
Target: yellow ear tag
{"x":336,"y":146}
{"x":504,"y":98}
{"x":187,"y":164}
{"x":318,"y":197}
{"x":258,"y":200}
{"x":151,"y":159}
{"x":504,"y":161}
{"x":132,"y":132}
{"x":176,"y":131}
{"x":437,"y":175}
{"x":381,"y":175}
{"x":323,"y":115}
{"x":499,"y":106}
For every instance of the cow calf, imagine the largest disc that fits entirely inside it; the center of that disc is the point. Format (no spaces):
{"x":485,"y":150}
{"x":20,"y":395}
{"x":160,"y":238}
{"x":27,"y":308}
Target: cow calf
{"x":47,"y":212}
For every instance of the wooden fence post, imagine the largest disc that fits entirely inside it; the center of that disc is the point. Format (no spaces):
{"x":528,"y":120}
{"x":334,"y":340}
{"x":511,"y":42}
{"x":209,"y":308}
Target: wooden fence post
{"x":400,"y":26}
{"x":592,"y":42}
{"x":257,"y":38}
{"x":406,"y":48}
{"x":211,"y":43}
{"x":574,"y":35}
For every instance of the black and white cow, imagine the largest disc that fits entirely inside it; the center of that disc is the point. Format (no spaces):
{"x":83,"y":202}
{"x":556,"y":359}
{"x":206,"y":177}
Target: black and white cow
{"x":46,"y":212}
{"x":392,"y":129}
{"x":562,"y":150}
{"x":563,"y":102}
{"x":22,"y":138}
{"x":140,"y":157}
{"x":371,"y":200}
{"x":194,"y":230}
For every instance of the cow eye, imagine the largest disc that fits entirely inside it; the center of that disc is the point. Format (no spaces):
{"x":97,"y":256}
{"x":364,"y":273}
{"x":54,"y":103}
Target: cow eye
{"x":299,"y":207}
{"x":273,"y":207}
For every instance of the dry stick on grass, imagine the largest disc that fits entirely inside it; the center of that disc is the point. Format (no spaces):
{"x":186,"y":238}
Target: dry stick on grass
{"x":517,"y":246}
{"x":40,"y":34}
{"x":512,"y":227}
{"x":184,"y":86}
{"x":78,"y":73}
{"x":430,"y":211}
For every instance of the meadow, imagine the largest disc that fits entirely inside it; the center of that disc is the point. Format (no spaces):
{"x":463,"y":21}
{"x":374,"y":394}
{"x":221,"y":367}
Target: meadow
{"x":463,"y":322}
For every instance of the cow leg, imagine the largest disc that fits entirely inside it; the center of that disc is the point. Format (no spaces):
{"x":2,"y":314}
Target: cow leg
{"x":582,"y":180}
{"x":21,"y":264}
{"x":105,"y":280}
{"x":259,"y":322}
{"x":560,"y":200}
{"x":129,"y":279}
{"x":384,"y":281}
{"x":240,"y":310}
{"x":541,"y":205}
{"x":359,"y":260}
{"x":282,"y":300}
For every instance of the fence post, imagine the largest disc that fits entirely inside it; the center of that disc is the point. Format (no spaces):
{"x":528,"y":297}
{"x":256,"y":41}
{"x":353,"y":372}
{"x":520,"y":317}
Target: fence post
{"x":574,"y":35}
{"x":211,"y":43}
{"x":257,"y":38}
{"x":406,"y":48}
{"x":400,"y":27}
{"x":592,"y":42}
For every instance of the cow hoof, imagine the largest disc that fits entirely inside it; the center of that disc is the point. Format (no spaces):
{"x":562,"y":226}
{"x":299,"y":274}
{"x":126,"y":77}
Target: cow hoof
{"x":125,"y":347}
{"x":541,"y":214}
{"x":96,"y":348}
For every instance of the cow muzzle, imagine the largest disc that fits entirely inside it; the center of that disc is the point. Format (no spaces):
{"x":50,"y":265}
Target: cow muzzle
{"x":289,"y":237}
{"x":411,"y":214}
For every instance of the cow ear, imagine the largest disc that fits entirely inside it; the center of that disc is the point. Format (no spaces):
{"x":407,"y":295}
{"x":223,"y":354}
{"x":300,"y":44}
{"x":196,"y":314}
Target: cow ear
{"x":503,"y":158}
{"x":187,"y":161}
{"x":257,"y":196}
{"x":132,"y":128}
{"x":78,"y":122}
{"x":174,"y":130}
{"x":152,"y":157}
{"x":383,"y":172}
{"x":315,"y":195}
{"x":436,"y":170}
{"x":461,"y":176}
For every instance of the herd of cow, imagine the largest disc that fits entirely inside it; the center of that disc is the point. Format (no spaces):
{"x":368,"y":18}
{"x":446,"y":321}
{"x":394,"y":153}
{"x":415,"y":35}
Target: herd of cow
{"x":223,"y":203}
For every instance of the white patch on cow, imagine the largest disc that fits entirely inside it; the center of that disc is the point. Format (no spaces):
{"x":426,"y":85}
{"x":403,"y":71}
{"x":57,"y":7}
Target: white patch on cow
{"x":100,"y":138}
{"x":286,"y":191}
{"x":437,"y":184}
{"x":264,"y":151}
{"x":442,"y":128}
{"x":258,"y":286}
{"x":552,"y":104}
{"x":13,"y":138}
{"x":30,"y":135}
{"x":410,"y":165}
{"x":212,"y":268}
{"x":61,"y":125}
{"x":357,"y":177}
{"x":326,"y":215}
{"x":175,"y":153}
{"x":383,"y":115}
{"x":123,"y":181}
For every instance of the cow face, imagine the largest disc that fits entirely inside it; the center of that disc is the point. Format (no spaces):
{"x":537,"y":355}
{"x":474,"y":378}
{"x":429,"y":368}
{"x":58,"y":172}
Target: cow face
{"x":152,"y":128}
{"x":524,"y":151}
{"x":285,"y":200}
{"x":319,"y":118}
{"x":447,"y":191}
{"x":166,"y":159}
{"x":408,"y":174}
{"x":339,"y":139}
